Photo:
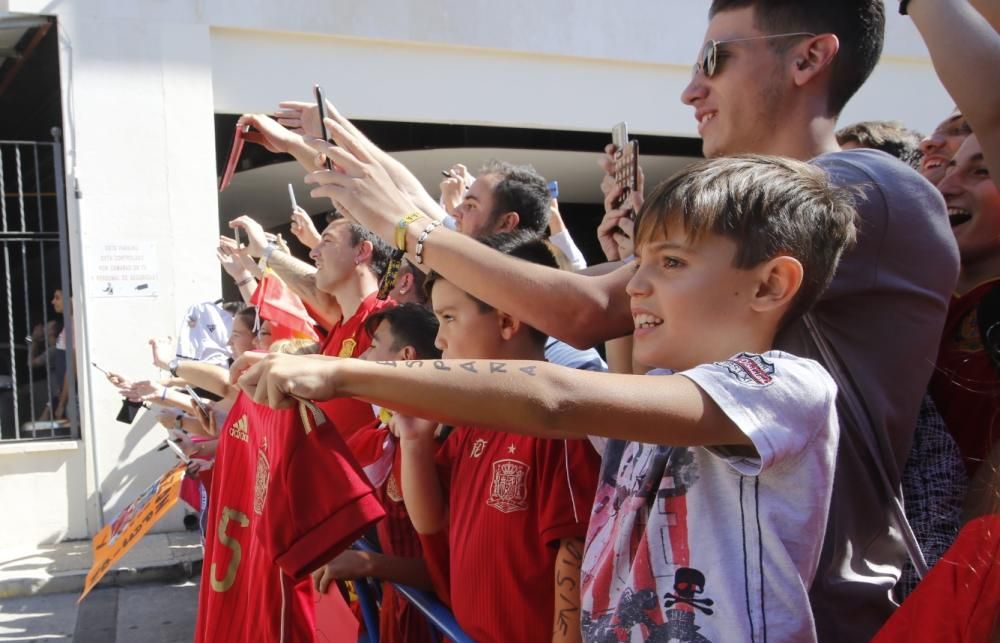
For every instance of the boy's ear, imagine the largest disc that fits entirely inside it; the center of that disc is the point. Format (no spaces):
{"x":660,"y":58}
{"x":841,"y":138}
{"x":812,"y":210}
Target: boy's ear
{"x":780,"y":280}
{"x":408,"y":354}
{"x":507,"y":221}
{"x":508,"y":325}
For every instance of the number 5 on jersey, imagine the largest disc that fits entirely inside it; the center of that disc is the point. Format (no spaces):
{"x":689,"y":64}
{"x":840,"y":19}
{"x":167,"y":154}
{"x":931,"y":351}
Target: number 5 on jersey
{"x":234,"y":546}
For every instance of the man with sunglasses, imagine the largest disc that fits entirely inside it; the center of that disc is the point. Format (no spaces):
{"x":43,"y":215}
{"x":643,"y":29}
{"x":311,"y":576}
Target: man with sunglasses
{"x":772,"y":78}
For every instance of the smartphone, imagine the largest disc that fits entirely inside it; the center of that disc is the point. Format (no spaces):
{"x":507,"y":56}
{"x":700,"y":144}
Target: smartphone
{"x":238,"y":235}
{"x":200,"y":403}
{"x":321,"y":104}
{"x":291,"y":196}
{"x":179,"y":451}
{"x":626,"y":163}
{"x":554,"y":189}
{"x":239,"y":138}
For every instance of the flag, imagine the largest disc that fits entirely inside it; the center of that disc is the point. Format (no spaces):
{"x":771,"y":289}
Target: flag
{"x":279,"y":305}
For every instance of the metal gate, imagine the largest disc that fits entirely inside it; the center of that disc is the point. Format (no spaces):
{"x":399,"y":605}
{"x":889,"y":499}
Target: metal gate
{"x":37,"y":379}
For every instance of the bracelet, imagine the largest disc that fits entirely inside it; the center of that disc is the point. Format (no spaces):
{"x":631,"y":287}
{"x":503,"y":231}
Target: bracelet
{"x":401,"y":227}
{"x":268,"y":251}
{"x":419,"y":252}
{"x":244,"y":282}
{"x":902,"y":6}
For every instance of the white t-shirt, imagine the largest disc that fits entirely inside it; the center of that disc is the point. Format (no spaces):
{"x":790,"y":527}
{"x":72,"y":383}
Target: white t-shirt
{"x":698,"y":544}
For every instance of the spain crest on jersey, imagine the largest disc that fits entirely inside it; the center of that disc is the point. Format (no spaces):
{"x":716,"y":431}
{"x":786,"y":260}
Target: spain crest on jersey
{"x":509,"y":490}
{"x":260,"y":483}
{"x":347,"y":347}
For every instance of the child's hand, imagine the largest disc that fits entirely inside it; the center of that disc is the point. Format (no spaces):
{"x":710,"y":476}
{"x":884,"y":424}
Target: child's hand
{"x":197,"y":465}
{"x":348,"y":565}
{"x":410,"y":428}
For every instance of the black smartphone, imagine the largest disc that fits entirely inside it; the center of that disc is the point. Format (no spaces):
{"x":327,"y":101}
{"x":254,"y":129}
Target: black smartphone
{"x":321,"y":104}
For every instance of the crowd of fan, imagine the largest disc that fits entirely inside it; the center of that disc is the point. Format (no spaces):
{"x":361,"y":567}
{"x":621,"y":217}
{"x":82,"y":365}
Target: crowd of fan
{"x":800,"y":406}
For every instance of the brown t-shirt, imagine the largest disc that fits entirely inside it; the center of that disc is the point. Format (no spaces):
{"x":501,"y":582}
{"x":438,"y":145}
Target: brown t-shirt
{"x":882,"y":316}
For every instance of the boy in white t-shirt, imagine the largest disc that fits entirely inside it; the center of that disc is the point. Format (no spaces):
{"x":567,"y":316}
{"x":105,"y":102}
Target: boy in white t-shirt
{"x":716,"y":477}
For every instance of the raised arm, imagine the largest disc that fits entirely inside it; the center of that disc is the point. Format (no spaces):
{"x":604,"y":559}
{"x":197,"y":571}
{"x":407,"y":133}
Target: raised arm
{"x":298,"y":275}
{"x":990,"y":10}
{"x":964,"y":47}
{"x":535,"y":398}
{"x":422,"y":491}
{"x":577,"y":309}
{"x":303,"y":118}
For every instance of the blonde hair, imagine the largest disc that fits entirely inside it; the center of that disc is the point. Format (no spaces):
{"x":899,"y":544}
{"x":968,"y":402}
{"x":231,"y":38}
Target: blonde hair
{"x":295,"y":347}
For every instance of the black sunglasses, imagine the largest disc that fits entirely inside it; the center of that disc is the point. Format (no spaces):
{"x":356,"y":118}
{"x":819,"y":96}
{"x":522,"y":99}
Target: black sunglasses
{"x":708,"y":62}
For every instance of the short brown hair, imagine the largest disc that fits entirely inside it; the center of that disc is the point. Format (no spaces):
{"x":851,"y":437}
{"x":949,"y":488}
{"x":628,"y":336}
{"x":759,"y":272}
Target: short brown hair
{"x":769,"y":206}
{"x":891,"y":137}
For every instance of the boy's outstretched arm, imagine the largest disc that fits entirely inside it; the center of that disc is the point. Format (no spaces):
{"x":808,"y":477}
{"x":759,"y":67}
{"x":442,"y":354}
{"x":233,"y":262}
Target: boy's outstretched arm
{"x":566,"y":624}
{"x":534,"y":398}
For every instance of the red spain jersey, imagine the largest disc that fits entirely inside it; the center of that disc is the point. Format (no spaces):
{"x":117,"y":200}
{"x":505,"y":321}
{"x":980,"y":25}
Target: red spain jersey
{"x":511,"y":499}
{"x":282,"y":504}
{"x":349,"y":339}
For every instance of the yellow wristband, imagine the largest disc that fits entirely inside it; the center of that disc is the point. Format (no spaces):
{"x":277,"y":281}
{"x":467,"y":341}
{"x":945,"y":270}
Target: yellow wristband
{"x":401,"y":227}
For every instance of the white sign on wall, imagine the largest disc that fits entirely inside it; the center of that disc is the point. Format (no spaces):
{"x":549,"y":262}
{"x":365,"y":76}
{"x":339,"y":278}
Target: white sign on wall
{"x":123,"y":269}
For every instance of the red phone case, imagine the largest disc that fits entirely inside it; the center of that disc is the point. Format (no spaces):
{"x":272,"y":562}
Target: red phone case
{"x":234,"y":156}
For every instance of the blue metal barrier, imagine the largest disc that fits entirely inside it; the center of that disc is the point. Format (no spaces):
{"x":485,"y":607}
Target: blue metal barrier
{"x":369,"y":608}
{"x":440,"y":618}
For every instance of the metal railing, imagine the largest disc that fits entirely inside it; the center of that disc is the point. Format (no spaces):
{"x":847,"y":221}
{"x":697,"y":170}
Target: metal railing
{"x":438,"y":616}
{"x":36,"y":343}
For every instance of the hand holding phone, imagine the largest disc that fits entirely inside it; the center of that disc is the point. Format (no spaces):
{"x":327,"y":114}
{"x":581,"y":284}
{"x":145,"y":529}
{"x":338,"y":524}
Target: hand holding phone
{"x":321,"y":104}
{"x":626,"y":164}
{"x":239,"y":138}
{"x":198,"y":402}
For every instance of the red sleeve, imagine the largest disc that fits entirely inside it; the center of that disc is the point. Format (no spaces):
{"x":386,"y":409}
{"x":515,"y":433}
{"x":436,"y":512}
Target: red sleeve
{"x":567,"y":474}
{"x":366,"y":444}
{"x":321,"y":504}
{"x":436,"y":555}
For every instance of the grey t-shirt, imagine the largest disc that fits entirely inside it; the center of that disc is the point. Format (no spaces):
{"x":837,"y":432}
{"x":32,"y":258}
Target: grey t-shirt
{"x":882,"y":316}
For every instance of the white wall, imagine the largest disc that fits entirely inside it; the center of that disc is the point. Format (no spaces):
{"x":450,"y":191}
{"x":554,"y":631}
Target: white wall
{"x":142,"y":79}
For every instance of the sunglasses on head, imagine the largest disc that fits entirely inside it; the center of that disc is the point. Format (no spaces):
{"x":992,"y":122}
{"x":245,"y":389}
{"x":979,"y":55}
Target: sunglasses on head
{"x":708,"y":62}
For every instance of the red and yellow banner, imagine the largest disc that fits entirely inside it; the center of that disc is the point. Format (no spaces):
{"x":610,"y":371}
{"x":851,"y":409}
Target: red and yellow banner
{"x":115,"y":539}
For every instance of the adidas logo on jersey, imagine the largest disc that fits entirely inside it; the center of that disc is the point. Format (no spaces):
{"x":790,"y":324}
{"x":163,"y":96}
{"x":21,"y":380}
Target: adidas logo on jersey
{"x":239,"y":429}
